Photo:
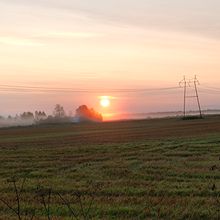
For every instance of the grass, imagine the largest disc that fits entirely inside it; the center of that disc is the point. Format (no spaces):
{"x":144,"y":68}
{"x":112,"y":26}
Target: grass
{"x":147,"y":169}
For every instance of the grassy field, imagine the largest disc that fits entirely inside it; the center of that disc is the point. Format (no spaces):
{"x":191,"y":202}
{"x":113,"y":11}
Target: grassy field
{"x":146,"y":169}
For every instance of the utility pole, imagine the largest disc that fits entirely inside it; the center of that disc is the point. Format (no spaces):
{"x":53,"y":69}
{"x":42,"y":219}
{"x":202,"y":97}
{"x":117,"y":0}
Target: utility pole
{"x":184,"y":85}
{"x":187,"y":83}
{"x":197,"y":95}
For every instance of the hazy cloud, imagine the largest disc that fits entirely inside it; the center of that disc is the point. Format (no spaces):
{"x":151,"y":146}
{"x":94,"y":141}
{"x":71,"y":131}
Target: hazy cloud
{"x":200,"y":17}
{"x":71,"y":35}
{"x":15,"y":41}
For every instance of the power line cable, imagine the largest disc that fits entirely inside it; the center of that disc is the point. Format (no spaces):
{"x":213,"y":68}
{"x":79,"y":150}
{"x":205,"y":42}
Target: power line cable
{"x":19,"y":88}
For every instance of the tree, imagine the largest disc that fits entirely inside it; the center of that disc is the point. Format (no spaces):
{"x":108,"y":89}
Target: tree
{"x":83,"y":113}
{"x":59,"y":111}
{"x":27,"y":116}
{"x":40,"y":115}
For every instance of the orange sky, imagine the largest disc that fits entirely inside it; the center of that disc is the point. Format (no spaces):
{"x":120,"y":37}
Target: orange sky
{"x":106,"y":44}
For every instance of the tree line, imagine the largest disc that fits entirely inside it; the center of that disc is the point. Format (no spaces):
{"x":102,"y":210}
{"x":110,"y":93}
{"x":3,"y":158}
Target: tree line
{"x":82,"y":114}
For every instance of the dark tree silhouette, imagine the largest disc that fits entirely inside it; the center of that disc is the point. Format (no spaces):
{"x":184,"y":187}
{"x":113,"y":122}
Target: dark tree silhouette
{"x":59,"y":111}
{"x":40,"y":115}
{"x":83,"y":114}
{"x":27,"y":116}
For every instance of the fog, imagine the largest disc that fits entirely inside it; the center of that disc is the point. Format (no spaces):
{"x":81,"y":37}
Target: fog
{"x":59,"y":116}
{"x":13,"y":122}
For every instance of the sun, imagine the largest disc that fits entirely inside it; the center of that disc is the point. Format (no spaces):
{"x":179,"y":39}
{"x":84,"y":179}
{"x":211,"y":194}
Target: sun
{"x":105,"y":101}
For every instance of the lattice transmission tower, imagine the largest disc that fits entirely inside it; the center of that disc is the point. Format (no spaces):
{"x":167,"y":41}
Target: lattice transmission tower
{"x":186,"y":83}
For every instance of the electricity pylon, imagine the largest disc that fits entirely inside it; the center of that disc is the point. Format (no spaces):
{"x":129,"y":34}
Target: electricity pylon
{"x":186,"y":84}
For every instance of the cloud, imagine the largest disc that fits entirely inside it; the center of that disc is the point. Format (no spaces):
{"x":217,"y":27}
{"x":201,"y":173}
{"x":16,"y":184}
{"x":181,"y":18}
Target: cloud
{"x":71,"y":35}
{"x":16,"y":41}
{"x":197,"y":17}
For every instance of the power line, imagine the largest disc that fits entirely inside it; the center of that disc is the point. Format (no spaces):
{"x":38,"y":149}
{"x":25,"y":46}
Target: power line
{"x":168,"y":90}
{"x":214,"y":91}
{"x":19,"y":88}
{"x":211,"y":87}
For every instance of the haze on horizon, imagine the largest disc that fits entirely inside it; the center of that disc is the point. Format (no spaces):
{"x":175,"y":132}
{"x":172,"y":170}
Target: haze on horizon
{"x":107,"y":45}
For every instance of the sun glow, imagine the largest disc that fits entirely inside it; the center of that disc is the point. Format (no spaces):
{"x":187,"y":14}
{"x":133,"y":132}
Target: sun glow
{"x":105,"y":101}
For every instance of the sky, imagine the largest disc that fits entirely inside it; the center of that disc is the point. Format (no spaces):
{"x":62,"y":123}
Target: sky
{"x":106,"y":45}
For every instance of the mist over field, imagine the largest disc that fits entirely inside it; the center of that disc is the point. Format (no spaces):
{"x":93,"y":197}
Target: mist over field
{"x":83,"y":114}
{"x":15,"y":122}
{"x":19,"y":121}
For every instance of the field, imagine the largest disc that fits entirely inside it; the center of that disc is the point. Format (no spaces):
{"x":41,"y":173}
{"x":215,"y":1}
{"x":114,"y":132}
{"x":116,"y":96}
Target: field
{"x":144,"y":169}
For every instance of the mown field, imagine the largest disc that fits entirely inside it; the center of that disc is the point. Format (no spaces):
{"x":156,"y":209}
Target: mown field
{"x":146,"y":169}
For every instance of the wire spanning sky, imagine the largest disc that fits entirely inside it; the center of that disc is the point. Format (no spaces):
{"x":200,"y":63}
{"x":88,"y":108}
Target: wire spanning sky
{"x":107,"y":47}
